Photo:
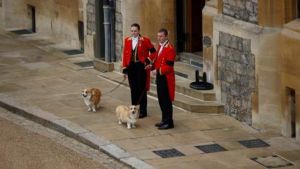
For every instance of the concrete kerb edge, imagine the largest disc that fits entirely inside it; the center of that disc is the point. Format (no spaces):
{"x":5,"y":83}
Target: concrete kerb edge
{"x":84,"y":136}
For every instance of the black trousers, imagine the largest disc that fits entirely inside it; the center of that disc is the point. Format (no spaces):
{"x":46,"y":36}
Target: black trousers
{"x":164,"y":100}
{"x":137,"y":82}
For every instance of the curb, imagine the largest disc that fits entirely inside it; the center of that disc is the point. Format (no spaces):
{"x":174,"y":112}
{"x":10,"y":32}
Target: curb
{"x":72,"y":130}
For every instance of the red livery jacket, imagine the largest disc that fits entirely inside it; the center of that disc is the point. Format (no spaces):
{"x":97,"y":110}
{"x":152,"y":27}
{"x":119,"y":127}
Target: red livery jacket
{"x":164,"y":63}
{"x":144,"y":48}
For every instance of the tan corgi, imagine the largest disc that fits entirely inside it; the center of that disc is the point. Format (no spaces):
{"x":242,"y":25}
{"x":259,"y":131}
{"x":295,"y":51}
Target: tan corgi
{"x":127,"y":115}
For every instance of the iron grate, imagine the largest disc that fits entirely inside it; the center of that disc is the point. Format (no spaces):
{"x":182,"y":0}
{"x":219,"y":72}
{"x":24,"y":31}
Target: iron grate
{"x":255,"y":143}
{"x":169,"y":153}
{"x":73,"y":52}
{"x":211,"y":148}
{"x":85,"y":64}
{"x":22,"y":31}
{"x":273,"y":161}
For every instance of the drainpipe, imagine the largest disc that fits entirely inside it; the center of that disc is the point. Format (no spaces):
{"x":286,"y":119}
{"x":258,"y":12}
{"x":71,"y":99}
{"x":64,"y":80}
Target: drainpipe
{"x":113,"y":48}
{"x":107,"y":29}
{"x":99,"y":36}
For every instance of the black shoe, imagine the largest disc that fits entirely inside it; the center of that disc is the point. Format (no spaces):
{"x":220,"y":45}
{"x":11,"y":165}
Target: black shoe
{"x":142,"y":116}
{"x":159,"y":124}
{"x":166,"y":126}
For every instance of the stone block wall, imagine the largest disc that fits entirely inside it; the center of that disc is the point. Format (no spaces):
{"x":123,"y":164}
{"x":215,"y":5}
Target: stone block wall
{"x":246,"y":10}
{"x":118,"y":30}
{"x":91,"y":14}
{"x":236,"y":72}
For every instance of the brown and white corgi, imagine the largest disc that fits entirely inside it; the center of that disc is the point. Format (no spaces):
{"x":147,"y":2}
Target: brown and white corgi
{"x":91,"y":98}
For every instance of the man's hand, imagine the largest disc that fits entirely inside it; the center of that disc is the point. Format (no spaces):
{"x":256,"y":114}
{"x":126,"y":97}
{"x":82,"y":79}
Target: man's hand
{"x":153,"y":73}
{"x":125,"y":76}
{"x":148,"y":67}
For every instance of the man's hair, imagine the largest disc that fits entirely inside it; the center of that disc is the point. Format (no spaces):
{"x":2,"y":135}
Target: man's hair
{"x":164,"y":30}
{"x":135,"y":25}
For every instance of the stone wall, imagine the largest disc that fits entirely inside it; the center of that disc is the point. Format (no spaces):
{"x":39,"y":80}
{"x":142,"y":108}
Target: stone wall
{"x":91,"y":13}
{"x":118,"y":30}
{"x":236,"y":69}
{"x":246,"y":10}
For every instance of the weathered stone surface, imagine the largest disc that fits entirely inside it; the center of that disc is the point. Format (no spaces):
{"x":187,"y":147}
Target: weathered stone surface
{"x":91,"y":24}
{"x":245,"y":10}
{"x":236,"y":71}
{"x":118,"y":29}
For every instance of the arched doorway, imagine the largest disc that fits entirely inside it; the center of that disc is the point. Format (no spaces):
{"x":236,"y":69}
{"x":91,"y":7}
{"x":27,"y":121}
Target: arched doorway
{"x":189,"y":25}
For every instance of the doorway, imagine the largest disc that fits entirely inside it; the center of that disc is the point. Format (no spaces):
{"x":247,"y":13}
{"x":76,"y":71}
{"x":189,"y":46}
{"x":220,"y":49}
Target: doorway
{"x":81,"y":34}
{"x":31,"y":17}
{"x":298,"y":8}
{"x":189,"y":25}
{"x":291,"y":107}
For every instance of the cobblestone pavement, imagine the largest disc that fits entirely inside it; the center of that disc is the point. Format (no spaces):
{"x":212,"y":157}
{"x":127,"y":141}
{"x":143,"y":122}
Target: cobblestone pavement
{"x":27,"y":145}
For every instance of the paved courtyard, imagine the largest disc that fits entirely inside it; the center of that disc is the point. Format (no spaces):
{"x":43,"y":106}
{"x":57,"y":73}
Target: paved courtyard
{"x":35,"y":75}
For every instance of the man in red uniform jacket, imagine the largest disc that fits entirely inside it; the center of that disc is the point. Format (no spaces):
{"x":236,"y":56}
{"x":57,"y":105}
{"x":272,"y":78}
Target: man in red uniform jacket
{"x":136,"y":56}
{"x":165,"y":79}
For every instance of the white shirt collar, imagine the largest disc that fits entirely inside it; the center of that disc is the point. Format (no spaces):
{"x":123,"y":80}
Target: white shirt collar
{"x":135,"y":38}
{"x":134,"y":41}
{"x":163,"y":44}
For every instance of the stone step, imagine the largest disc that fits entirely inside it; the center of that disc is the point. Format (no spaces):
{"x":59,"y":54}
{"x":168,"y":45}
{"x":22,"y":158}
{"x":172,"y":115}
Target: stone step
{"x":186,"y":70}
{"x":194,"y":59}
{"x":192,"y":104}
{"x":183,"y":101}
{"x":182,"y":86}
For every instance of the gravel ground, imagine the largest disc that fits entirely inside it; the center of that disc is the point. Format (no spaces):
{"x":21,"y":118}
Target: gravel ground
{"x":27,"y":145}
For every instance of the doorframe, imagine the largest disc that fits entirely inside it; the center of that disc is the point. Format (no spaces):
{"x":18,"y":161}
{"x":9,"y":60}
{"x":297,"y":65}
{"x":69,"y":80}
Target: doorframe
{"x":184,"y":27}
{"x":290,"y":113}
{"x":33,"y":17}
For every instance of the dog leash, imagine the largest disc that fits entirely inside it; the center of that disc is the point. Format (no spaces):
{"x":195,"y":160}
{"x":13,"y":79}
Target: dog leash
{"x":115,"y":88}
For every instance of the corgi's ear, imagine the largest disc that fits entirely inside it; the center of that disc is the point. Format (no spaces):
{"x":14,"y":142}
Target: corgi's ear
{"x":93,"y":92}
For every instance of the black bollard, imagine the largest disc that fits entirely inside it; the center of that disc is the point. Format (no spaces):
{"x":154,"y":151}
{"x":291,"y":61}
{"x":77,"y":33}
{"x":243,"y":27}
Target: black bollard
{"x":197,"y":76}
{"x":204,"y":85}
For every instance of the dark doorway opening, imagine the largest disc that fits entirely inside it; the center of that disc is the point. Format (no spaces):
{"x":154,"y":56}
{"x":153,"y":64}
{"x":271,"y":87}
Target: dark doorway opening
{"x":32,"y":17}
{"x":81,"y":34}
{"x":292,"y":110}
{"x":189,"y":25}
{"x":298,"y":8}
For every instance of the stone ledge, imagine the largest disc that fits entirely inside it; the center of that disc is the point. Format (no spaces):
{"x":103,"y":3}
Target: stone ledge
{"x":103,"y":66}
{"x":293,"y":25}
{"x":243,"y":25}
